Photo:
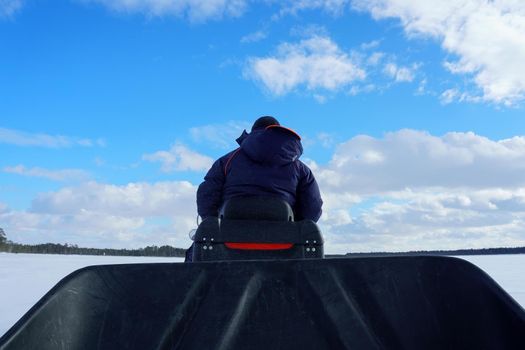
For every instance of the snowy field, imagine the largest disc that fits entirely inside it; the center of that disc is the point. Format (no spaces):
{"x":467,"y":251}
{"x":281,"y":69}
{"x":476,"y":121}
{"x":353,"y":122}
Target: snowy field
{"x":25,"y":278}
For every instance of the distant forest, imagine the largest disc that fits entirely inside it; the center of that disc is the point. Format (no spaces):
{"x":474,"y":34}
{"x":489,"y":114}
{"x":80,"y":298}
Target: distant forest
{"x":169,"y":251}
{"x":53,"y":248}
{"x":483,"y":251}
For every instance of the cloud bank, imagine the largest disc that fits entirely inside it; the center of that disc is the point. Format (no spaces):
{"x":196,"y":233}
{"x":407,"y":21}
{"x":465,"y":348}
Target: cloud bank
{"x":416,"y":159}
{"x":487,"y":37}
{"x":104,"y":215}
{"x":411,"y":190}
{"x":407,"y":190}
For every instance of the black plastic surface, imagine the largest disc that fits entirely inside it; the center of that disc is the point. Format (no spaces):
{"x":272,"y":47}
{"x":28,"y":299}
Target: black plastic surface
{"x":257,"y":208}
{"x":356,"y":303}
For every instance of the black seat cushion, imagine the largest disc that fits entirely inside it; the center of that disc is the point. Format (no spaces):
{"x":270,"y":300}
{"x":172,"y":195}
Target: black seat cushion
{"x":265,"y":208}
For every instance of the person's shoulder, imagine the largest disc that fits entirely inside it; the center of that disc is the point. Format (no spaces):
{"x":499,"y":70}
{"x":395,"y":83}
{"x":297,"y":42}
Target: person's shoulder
{"x":302,"y":168}
{"x":302,"y":164}
{"x":229,"y":154}
{"x":223,"y":161}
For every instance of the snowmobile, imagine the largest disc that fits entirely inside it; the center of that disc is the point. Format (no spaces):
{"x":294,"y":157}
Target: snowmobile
{"x":259,"y":280}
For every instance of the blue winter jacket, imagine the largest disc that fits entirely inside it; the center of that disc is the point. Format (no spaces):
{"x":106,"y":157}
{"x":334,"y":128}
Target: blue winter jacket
{"x":267,"y":164}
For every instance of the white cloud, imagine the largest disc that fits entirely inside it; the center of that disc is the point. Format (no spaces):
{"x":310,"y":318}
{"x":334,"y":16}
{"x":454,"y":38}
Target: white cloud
{"x":254,"y":37}
{"x":370,"y":45}
{"x":194,"y":10}
{"x":320,"y":98}
{"x":180,"y":158}
{"x":411,"y":190}
{"x":315,"y":63}
{"x":410,"y":158}
{"x":434,"y":219}
{"x":133,"y":199}
{"x":308,"y":31}
{"x":455,"y":95}
{"x":202,"y":10}
{"x":398,"y":73}
{"x":104,"y":215}
{"x":9,"y":7}
{"x":375,"y":58}
{"x":488,"y":37}
{"x":21,"y":138}
{"x":221,"y":136}
{"x":449,"y":95}
{"x":55,"y":175}
{"x":422,"y":87}
{"x":327,"y":140}
{"x":293,"y":7}
{"x":358,"y":89}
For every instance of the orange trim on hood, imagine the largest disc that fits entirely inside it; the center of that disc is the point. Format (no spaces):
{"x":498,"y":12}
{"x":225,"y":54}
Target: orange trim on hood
{"x":284,"y":128}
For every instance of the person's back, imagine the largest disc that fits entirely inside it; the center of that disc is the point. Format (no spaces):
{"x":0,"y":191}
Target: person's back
{"x":266,"y":164}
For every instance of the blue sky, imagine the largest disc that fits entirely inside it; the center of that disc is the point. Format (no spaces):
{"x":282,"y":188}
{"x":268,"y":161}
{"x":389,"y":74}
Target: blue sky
{"x":412,"y":115}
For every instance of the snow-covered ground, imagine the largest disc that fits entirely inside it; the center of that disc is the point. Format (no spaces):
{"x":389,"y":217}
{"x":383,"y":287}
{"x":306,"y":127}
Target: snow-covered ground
{"x":506,"y":270}
{"x":25,"y":278}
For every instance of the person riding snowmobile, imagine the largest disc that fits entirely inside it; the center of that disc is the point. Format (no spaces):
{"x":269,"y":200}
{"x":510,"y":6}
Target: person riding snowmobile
{"x":266,"y":164}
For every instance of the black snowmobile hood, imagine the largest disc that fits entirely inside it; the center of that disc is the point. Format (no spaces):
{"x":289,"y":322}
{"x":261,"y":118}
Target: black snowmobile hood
{"x":275,"y":145}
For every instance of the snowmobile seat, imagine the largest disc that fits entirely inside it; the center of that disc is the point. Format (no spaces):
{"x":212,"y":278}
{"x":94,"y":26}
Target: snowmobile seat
{"x":257,"y":208}
{"x":256,"y":228}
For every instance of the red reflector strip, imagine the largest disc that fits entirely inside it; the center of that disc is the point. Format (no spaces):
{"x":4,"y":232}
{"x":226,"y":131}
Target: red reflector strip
{"x":259,"y":246}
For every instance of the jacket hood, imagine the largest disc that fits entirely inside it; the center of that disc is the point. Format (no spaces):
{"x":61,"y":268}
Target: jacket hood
{"x":274,"y":145}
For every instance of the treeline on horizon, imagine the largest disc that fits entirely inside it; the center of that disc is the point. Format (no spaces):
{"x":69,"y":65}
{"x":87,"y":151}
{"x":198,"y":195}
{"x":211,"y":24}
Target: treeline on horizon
{"x":169,"y":251}
{"x":55,"y":248}
{"x":481,"y":251}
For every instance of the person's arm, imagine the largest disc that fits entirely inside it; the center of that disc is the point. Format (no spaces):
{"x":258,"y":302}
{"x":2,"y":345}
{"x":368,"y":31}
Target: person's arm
{"x":209,"y":194}
{"x":309,"y":202}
